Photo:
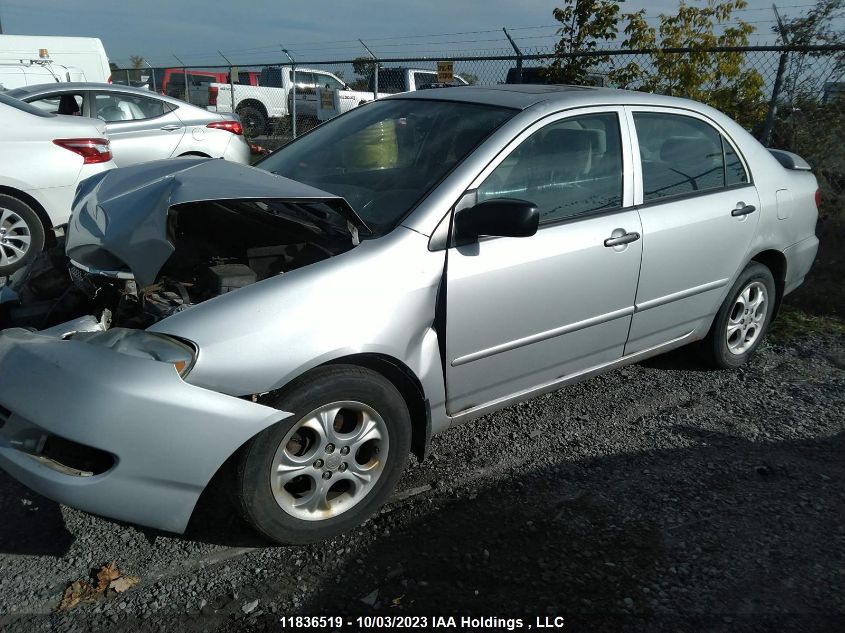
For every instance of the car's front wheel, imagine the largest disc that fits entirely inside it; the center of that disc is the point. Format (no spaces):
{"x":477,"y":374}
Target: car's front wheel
{"x":21,"y":234}
{"x":333,"y":463}
{"x":743,"y":319}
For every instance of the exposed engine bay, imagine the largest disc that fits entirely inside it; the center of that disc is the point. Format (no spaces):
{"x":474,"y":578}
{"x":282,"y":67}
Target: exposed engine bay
{"x":218,"y":246}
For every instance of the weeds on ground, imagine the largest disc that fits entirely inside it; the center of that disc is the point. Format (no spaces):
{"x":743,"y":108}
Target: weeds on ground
{"x":792,"y":322}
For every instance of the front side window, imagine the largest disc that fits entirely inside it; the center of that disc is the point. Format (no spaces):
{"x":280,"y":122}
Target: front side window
{"x":114,"y":106}
{"x":424,"y":80}
{"x":567,"y":168}
{"x":681,"y":155}
{"x":327,"y":81}
{"x":386,"y":156}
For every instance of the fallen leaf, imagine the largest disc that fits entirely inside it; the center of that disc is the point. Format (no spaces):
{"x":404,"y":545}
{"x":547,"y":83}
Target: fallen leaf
{"x":124,"y":583}
{"x":77,"y":593}
{"x":106,"y":575}
{"x":397,"y":601}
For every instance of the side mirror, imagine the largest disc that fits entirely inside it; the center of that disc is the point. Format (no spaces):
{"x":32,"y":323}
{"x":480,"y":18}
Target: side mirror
{"x":500,"y":217}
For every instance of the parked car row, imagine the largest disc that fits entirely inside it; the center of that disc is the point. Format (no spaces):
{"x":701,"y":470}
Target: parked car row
{"x":294,"y":330}
{"x":58,"y":134}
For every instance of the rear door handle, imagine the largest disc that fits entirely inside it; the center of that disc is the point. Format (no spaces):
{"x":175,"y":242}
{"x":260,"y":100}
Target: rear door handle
{"x":743,"y":210}
{"x":171,"y":127}
{"x":622,"y":239}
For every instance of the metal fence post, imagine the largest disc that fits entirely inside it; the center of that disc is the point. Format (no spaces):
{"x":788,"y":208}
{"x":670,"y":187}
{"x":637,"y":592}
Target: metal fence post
{"x":768,"y":127}
{"x":518,"y":56}
{"x":375,"y":68}
{"x":293,"y":91}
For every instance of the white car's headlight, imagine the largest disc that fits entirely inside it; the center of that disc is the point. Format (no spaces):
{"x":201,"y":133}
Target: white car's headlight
{"x":142,"y":344}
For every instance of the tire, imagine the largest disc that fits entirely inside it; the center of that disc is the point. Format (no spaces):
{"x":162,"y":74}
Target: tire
{"x":748,"y":311}
{"x":332,"y":464}
{"x":253,"y":120}
{"x":21,"y":234}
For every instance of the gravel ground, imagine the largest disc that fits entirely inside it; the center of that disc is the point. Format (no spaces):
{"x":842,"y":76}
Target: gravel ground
{"x":656,"y":497}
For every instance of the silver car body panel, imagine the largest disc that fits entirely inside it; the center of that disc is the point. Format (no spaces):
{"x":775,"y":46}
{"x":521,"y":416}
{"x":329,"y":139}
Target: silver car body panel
{"x":522,"y":315}
{"x":168,"y":437}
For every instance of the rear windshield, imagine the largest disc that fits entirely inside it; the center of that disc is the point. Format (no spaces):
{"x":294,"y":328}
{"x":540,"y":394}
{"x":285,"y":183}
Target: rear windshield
{"x":21,"y":105}
{"x":385,"y":156}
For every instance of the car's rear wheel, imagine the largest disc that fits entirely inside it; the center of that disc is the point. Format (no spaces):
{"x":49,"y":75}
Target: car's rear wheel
{"x":743,"y":319}
{"x":333,"y":463}
{"x":253,"y":120}
{"x":21,"y":234}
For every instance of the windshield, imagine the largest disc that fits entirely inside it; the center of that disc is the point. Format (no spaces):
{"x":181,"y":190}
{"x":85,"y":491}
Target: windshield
{"x":22,"y":105}
{"x":384,"y":157}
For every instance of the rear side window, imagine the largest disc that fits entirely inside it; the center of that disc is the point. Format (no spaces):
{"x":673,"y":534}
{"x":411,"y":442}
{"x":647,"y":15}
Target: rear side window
{"x":734,"y":171}
{"x":23,"y":106}
{"x":115,"y":106}
{"x":681,"y":155}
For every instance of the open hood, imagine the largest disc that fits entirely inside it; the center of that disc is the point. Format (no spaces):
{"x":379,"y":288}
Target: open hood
{"x":120,"y":217}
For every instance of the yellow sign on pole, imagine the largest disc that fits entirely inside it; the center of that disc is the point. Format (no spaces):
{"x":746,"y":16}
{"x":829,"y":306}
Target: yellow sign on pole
{"x":445,"y":72}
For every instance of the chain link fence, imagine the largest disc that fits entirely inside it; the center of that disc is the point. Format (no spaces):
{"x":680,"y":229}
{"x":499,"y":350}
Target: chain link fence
{"x":789,"y":97}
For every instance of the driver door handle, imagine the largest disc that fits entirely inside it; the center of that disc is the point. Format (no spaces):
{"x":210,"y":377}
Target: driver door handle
{"x":743,"y":210}
{"x":622,"y":239}
{"x":171,"y":127}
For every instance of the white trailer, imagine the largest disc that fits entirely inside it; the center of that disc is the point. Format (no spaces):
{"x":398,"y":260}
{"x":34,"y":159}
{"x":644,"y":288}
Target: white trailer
{"x":84,"y":53}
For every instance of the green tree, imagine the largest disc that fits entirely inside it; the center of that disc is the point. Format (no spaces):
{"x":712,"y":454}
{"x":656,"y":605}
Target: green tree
{"x":719,"y":79}
{"x":136,"y":61}
{"x":584,"y":24}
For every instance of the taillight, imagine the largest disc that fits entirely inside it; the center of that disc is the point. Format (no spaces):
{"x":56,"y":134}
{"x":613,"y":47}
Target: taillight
{"x":92,"y":150}
{"x":230,"y":126}
{"x":212,"y":95}
{"x":818,"y":198}
{"x":109,"y":79}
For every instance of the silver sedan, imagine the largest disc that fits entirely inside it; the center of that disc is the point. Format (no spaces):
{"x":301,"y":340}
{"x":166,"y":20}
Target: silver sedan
{"x":425,"y":259}
{"x":143,"y":125}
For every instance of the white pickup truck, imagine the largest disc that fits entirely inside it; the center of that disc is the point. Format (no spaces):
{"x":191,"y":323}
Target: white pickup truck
{"x":270,"y":99}
{"x":390,"y":81}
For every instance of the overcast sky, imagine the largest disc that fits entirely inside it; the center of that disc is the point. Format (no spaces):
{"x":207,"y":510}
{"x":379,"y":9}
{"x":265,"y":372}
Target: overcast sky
{"x":253,"y":30}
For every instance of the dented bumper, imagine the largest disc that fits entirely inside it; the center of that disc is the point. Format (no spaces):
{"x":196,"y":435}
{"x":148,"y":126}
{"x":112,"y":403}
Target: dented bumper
{"x":166,"y":438}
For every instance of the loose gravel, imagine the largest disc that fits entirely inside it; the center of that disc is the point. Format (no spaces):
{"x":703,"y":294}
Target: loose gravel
{"x":656,"y":497}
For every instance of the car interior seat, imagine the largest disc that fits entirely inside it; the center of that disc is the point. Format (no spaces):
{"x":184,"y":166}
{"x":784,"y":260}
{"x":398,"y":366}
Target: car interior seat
{"x":68,"y":105}
{"x":130,"y":110}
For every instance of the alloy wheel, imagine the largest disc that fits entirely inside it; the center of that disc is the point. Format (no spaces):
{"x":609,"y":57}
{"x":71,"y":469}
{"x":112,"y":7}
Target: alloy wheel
{"x":747,"y":318}
{"x":15,"y":237}
{"x":329,"y":461}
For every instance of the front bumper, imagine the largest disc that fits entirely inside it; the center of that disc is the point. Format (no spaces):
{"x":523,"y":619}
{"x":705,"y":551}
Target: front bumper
{"x":167,"y":437}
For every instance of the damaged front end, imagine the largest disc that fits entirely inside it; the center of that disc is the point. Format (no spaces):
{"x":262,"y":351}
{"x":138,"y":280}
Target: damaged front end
{"x":148,"y":241}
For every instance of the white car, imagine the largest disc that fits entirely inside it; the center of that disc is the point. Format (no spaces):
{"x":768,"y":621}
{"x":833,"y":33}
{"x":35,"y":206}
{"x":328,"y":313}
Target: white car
{"x":44,"y":157}
{"x":143,"y":126}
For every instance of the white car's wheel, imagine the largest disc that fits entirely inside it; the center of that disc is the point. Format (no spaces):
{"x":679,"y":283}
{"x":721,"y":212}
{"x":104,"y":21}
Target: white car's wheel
{"x":21,"y":234}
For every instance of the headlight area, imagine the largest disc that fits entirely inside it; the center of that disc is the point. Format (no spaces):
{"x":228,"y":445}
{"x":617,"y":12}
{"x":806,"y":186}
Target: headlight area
{"x":179,"y":353}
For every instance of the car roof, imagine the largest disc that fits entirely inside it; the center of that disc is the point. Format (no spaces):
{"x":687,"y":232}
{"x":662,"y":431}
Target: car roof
{"x":25,"y":91}
{"x":522,"y":96}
